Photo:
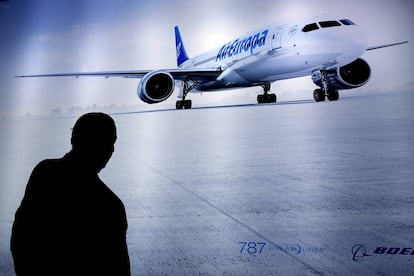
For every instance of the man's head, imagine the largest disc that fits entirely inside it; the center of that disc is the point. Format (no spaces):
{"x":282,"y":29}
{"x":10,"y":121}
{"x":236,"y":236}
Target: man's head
{"x":93,"y":138}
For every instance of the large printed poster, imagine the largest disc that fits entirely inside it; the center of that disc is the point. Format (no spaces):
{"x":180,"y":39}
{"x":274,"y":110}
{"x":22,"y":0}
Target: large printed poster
{"x":261,"y":137}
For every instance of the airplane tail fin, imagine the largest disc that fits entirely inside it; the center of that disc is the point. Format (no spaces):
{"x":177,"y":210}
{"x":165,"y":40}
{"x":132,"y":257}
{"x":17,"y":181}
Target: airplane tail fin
{"x":179,"y":46}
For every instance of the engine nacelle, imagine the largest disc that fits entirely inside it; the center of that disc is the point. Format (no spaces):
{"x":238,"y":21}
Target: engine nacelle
{"x":349,"y":76}
{"x":155,"y":87}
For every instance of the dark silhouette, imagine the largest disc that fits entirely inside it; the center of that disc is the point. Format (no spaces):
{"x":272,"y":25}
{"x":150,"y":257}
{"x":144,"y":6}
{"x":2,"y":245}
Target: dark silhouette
{"x":69,"y":222}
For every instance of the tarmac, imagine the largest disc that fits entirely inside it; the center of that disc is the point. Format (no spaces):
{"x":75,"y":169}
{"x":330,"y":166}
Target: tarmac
{"x":293,"y":188}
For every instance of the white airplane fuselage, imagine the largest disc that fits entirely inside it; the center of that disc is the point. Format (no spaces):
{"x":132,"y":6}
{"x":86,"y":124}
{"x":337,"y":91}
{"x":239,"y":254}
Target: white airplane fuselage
{"x":279,"y":52}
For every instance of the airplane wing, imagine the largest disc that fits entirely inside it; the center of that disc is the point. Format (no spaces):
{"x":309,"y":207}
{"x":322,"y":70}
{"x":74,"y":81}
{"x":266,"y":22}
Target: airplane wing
{"x":178,"y":74}
{"x":386,"y":45}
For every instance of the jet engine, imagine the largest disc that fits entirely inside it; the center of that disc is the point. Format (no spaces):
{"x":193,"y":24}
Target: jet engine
{"x":349,"y":76}
{"x":155,"y":87}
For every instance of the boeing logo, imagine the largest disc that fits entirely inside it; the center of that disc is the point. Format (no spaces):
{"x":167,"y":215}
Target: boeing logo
{"x":242,"y":45}
{"x":359,"y":251}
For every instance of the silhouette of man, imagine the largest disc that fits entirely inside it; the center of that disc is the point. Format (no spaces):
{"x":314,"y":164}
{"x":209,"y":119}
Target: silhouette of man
{"x":69,"y":222}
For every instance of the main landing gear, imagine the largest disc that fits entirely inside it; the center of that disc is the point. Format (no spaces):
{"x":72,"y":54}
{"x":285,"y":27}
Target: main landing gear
{"x":186,"y":104}
{"x":266,"y":97}
{"x":188,"y":85}
{"x":320,"y":94}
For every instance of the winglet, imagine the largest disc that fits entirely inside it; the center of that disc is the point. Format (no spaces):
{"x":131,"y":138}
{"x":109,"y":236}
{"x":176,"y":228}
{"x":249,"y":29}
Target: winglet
{"x":179,"y":46}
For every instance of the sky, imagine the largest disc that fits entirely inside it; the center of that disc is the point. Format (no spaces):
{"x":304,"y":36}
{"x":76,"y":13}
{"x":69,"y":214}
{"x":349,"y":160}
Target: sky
{"x":40,"y":36}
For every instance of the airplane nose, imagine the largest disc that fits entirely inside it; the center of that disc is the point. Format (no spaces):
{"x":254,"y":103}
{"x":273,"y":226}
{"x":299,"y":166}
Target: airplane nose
{"x":353,"y":40}
{"x":331,"y":45}
{"x":352,"y":43}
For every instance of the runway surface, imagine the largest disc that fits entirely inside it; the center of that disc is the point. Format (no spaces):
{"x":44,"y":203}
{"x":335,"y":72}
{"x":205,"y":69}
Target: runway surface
{"x":296,"y":188}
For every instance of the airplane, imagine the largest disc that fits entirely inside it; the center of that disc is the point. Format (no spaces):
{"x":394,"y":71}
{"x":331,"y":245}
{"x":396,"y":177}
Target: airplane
{"x":329,"y":50}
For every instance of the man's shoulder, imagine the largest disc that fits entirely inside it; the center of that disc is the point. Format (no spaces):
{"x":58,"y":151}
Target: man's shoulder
{"x":49,"y":163}
{"x":49,"y":166}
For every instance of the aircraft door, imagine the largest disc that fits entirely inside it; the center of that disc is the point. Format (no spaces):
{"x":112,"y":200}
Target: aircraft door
{"x":277,"y":38}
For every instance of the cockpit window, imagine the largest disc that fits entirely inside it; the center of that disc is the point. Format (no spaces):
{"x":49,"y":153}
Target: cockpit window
{"x":310,"y":27}
{"x":347,"y":22}
{"x":328,"y":24}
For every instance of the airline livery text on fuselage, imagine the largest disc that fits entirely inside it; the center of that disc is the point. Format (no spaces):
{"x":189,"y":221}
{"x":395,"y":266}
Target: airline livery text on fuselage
{"x":239,"y":45}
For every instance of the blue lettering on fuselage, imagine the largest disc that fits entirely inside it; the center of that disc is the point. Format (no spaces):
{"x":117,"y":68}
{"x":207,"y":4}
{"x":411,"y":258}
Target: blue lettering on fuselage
{"x":242,"y":45}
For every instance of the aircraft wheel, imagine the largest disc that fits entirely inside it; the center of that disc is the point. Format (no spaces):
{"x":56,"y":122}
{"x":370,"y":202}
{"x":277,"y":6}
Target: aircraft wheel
{"x":272,"y":98}
{"x":319,"y":95}
{"x":187,"y":104}
{"x":333,"y":95}
{"x":266,"y":98}
{"x":179,"y":104}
